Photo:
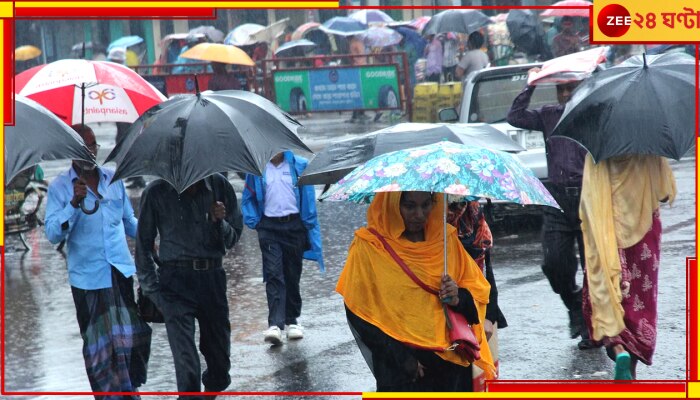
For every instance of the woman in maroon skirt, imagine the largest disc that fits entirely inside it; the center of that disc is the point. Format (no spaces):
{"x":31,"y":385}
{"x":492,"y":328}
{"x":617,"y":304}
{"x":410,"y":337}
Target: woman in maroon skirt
{"x":619,"y":210}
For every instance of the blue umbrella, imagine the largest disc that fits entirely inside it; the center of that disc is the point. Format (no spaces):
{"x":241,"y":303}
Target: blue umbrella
{"x":343,"y":26}
{"x":411,"y":36}
{"x":444,"y":167}
{"x":295,"y":48}
{"x":125,"y":42}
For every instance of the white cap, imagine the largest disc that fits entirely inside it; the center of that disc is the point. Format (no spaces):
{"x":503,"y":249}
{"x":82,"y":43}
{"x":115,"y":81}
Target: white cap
{"x":117,"y":54}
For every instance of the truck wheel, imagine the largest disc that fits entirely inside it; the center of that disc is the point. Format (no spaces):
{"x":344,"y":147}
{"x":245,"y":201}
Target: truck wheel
{"x":388,"y":97}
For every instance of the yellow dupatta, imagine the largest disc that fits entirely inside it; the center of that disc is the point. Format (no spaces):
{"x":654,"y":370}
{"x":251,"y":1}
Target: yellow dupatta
{"x":376,"y":289}
{"x":618,"y":199}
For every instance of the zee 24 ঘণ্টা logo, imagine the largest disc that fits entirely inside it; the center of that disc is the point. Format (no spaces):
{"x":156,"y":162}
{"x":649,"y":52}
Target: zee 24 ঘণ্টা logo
{"x":614,"y":20}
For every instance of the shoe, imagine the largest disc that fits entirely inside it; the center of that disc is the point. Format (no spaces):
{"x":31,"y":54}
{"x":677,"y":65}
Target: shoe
{"x":273,"y":335}
{"x":377,"y":116}
{"x":577,"y":325}
{"x":623,"y":364}
{"x":587,"y":344}
{"x":295,"y":332}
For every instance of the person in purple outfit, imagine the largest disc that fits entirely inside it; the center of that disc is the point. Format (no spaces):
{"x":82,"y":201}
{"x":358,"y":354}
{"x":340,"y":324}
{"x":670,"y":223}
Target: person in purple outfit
{"x":561,"y":229}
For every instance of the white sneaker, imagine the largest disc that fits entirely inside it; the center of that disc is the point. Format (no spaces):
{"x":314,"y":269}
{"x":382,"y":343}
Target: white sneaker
{"x":295,"y":332}
{"x":273,"y":335}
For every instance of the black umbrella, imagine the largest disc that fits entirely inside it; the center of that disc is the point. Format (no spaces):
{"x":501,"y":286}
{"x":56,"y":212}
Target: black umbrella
{"x":338,"y":159}
{"x":38,"y":135}
{"x":645,"y":105}
{"x":192,"y":136}
{"x":526,"y":33}
{"x":461,"y":21}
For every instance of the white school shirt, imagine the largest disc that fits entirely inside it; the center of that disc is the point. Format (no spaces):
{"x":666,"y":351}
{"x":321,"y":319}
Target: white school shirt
{"x":280,"y":199}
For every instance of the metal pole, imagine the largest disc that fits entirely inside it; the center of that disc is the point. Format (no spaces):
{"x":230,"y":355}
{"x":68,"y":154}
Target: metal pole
{"x":444,"y":230}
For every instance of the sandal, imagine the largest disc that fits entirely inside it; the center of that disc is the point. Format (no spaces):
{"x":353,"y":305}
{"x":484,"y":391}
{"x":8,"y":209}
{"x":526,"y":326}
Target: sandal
{"x":623,"y":364}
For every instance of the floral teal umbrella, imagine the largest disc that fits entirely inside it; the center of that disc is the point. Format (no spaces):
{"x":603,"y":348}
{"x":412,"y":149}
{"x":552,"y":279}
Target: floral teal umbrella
{"x":447,"y":168}
{"x":444,"y":167}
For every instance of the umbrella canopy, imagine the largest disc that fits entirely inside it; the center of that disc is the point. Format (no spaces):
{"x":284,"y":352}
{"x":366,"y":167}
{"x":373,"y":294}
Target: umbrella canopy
{"x":240,"y":35}
{"x":112,"y":92}
{"x":338,"y":159}
{"x":210,"y":32}
{"x":525,"y":31}
{"x":81,"y":45}
{"x":444,"y":167}
{"x":271,"y":32}
{"x":568,"y":68}
{"x":124,"y":42}
{"x":26,"y":52}
{"x":559,"y":9}
{"x":380,"y":37}
{"x":38,"y":135}
{"x":218,"y":52}
{"x":301,"y":31}
{"x":462,"y":21}
{"x":642,"y":106}
{"x":343,"y":26}
{"x":419,"y":23}
{"x":414,"y":38}
{"x":295,"y":48}
{"x":232,"y":130}
{"x":371,"y":16}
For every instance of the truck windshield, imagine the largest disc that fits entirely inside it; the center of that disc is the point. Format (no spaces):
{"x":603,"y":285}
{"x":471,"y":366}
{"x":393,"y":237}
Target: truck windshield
{"x":492,"y":97}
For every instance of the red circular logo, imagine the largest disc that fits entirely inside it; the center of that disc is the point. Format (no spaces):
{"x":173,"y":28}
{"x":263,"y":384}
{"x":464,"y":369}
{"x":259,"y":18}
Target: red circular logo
{"x":614,"y":20}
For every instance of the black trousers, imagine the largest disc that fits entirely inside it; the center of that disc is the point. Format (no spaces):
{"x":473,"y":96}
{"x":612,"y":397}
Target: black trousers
{"x":186,"y":295}
{"x":282,"y":245}
{"x":561,"y":234}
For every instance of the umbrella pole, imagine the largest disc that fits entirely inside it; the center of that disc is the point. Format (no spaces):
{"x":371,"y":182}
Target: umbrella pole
{"x":82,"y":124}
{"x":444,"y":231}
{"x":82,"y":104}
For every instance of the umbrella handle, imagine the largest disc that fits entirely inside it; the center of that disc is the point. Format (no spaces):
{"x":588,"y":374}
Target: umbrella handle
{"x":89,"y":212}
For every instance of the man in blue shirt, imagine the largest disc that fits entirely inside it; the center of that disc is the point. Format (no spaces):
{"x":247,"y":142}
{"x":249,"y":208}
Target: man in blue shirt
{"x":116,"y":342}
{"x":285,"y":217}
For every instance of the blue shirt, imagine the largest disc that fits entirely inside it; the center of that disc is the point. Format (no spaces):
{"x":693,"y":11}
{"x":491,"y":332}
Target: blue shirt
{"x":94,"y":242}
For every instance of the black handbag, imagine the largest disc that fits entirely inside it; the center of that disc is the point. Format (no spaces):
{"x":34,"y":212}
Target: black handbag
{"x":147,"y":309}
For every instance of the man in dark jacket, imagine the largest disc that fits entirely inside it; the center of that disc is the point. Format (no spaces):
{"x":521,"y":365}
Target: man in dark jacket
{"x":562,"y":229}
{"x":196,"y":228}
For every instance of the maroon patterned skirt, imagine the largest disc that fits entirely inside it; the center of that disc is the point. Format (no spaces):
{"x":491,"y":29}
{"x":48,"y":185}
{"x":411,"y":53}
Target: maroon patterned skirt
{"x":639,"y":283}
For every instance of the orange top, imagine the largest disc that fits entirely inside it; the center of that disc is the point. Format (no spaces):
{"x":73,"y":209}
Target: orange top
{"x":376,"y":289}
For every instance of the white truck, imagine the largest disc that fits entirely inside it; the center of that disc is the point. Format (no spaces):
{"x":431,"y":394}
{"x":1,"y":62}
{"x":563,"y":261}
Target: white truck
{"x":487,"y":95}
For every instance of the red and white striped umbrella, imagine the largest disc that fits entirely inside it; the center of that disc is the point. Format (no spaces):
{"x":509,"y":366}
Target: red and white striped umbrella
{"x":88,"y":91}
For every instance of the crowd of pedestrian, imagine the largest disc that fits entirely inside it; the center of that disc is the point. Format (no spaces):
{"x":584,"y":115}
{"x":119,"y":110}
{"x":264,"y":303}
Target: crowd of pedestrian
{"x":608,"y":226}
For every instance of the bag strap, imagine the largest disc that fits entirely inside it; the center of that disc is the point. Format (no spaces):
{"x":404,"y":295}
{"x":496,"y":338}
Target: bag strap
{"x":402,"y":264}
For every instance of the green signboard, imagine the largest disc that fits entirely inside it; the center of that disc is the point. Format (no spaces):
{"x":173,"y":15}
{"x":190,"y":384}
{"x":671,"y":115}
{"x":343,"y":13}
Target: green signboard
{"x":334,"y":89}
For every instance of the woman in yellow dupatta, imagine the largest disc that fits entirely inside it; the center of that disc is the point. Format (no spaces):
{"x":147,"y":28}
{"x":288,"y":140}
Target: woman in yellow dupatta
{"x":622,"y":235}
{"x":400,"y":327}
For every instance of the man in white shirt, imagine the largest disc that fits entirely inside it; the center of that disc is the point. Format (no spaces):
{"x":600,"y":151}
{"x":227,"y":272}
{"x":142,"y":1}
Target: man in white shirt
{"x":285,"y":218}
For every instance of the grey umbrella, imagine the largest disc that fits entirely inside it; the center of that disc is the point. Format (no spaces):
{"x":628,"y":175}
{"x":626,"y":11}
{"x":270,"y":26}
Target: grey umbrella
{"x":338,"y":159}
{"x":192,"y":136}
{"x":38,"y":135}
{"x":461,"y":21}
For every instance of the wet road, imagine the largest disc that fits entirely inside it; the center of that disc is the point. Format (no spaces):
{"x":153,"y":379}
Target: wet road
{"x":43,"y":346}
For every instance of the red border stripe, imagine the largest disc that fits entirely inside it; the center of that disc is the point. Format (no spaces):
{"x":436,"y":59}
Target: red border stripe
{"x":150,"y":12}
{"x":692,"y":318}
{"x":503,"y":387}
{"x":9,"y":72}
